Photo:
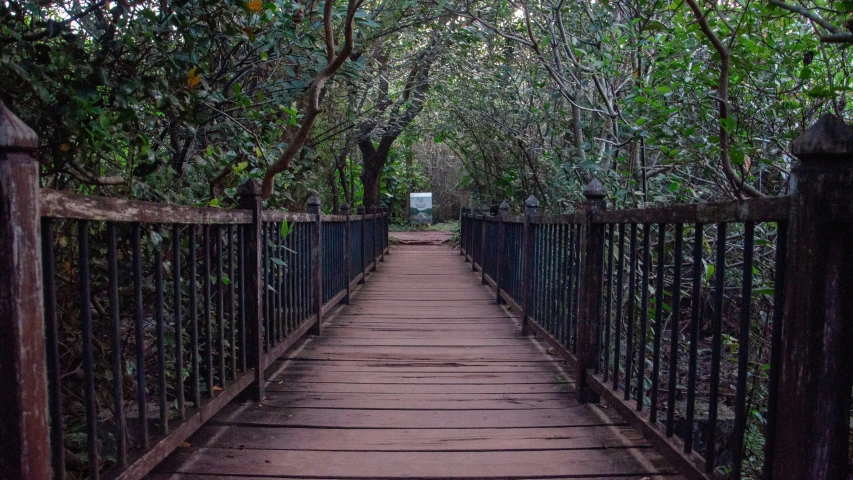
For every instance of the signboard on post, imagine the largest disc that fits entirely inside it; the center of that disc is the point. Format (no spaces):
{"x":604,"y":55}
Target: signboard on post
{"x":420,"y":211}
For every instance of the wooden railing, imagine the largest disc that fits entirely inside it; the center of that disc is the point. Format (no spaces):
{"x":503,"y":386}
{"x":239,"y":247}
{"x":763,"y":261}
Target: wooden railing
{"x":660,"y":313}
{"x":166,"y":313}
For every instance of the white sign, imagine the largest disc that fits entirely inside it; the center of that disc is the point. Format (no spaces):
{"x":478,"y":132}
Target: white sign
{"x":420,"y":210}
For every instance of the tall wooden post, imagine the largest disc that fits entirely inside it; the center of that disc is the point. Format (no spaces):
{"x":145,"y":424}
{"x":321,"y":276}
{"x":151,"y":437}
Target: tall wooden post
{"x":591,"y":278}
{"x":499,"y":260}
{"x":360,"y":211}
{"x":23,"y":398}
{"x":811,"y":436}
{"x":531,"y":206}
{"x":345,"y":210}
{"x":317,"y":261}
{"x":249,"y":198}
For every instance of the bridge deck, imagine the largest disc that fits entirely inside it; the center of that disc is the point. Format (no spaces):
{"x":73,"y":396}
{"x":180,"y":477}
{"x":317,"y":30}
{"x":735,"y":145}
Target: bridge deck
{"x":423,"y":376}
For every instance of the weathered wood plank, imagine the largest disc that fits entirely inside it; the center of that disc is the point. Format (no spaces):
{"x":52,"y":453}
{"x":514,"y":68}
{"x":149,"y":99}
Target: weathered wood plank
{"x":58,"y":204}
{"x":500,"y":464}
{"x":428,"y":440}
{"x":423,"y":376}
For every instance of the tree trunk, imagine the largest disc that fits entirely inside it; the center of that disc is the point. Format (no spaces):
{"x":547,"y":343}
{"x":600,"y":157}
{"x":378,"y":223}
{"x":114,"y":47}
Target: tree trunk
{"x":374,"y":160}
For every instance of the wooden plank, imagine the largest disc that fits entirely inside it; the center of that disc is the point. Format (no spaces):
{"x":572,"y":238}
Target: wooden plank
{"x":426,"y":381}
{"x":58,"y":204}
{"x":511,"y":378}
{"x":573,"y":416}
{"x":500,"y":464}
{"x":449,"y":401}
{"x":770,"y":209}
{"x":428,"y":440}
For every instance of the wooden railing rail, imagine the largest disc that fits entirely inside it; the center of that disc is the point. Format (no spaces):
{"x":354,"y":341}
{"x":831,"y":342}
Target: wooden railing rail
{"x":614,"y":292}
{"x":167,"y":313}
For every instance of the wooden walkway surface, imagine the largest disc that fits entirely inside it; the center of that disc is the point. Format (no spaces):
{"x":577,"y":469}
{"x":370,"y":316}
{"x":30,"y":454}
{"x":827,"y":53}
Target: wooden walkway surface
{"x":422,"y":376}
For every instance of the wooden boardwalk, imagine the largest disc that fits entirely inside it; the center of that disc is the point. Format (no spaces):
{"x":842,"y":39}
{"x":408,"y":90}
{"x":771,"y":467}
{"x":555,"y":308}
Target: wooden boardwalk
{"x":422,"y":376}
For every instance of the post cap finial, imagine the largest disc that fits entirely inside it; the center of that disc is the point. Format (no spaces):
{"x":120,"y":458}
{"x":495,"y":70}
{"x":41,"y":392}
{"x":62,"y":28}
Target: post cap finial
{"x":313,"y":200}
{"x":504,"y":207}
{"x":14,"y":133}
{"x":345,"y":208}
{"x":478,"y":210}
{"x":531,"y":202}
{"x":250,"y":188}
{"x":830,"y":138}
{"x":594,"y":190}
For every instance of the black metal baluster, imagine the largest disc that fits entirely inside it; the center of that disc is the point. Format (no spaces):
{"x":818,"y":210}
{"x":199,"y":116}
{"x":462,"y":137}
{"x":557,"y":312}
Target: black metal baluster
{"x":266,"y":284}
{"x":160,"y":331}
{"x":231,"y":295}
{"x":609,"y":305}
{"x":193,"y":264}
{"x":577,"y":283}
{"x":52,"y":350}
{"x":570,"y":338}
{"x":141,"y":400}
{"x":775,"y":348}
{"x":694,"y":336}
{"x":658,"y":327}
{"x":271,"y":286}
{"x":88,"y":351}
{"x":674,"y":330}
{"x":241,"y":269}
{"x":220,"y":305}
{"x":208,"y":324}
{"x":743,"y":351}
{"x":644,"y":316}
{"x":716,"y":347}
{"x":179,"y":322}
{"x":629,"y":337}
{"x":564,"y":229}
{"x":617,"y":322}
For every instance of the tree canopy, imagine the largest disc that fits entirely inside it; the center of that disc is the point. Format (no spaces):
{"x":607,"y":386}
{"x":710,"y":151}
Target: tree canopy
{"x":365,"y":100}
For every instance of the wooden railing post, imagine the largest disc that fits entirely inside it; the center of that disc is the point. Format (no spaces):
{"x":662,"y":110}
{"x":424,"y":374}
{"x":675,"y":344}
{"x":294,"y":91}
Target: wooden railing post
{"x":345,"y":210}
{"x":23,"y":398}
{"x":363,"y":223}
{"x":464,"y":233}
{"x":483,"y":248}
{"x":373,"y":210}
{"x":249,"y":198}
{"x":815,"y":378}
{"x":531,"y":206}
{"x":384,"y":224}
{"x":476,"y":240}
{"x":591,"y":278}
{"x":499,"y":261}
{"x":317,"y":261}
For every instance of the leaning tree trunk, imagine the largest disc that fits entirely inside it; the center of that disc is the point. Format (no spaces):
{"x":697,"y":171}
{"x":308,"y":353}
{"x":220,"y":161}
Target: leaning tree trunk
{"x":374,"y":160}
